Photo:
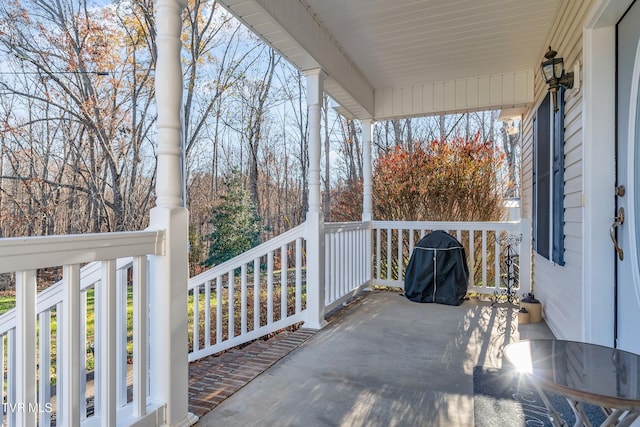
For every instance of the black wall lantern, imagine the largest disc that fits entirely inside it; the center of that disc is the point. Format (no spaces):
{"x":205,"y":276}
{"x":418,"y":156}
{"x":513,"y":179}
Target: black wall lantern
{"x":554,"y":75}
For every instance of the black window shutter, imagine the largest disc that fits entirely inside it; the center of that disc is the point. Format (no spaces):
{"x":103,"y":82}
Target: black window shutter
{"x":534,"y":186}
{"x":542,"y":146}
{"x":558,"y":182}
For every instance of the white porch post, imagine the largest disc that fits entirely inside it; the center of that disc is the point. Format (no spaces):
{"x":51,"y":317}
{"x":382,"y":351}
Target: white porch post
{"x":367,"y":193}
{"x":315,"y":216}
{"x":169,"y":272}
{"x":367,"y":171}
{"x":526,"y":254}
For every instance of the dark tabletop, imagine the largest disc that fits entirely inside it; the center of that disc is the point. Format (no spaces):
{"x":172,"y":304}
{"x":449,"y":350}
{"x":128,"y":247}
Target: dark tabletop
{"x":585,"y":372}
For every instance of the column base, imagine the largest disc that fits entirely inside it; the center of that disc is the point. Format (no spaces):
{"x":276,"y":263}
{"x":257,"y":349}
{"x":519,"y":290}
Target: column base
{"x":315,"y":325}
{"x":189,"y":420}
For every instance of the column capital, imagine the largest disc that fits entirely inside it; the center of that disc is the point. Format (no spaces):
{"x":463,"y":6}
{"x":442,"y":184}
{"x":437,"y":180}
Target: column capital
{"x":315,"y":86}
{"x":179,"y":3}
{"x":314,"y":72}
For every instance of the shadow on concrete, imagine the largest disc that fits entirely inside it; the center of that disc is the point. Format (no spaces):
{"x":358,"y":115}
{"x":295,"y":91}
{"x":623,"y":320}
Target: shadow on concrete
{"x":386,"y":361}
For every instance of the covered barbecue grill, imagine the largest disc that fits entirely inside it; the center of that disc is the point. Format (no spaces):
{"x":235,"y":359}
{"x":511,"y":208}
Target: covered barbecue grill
{"x":437,"y":270}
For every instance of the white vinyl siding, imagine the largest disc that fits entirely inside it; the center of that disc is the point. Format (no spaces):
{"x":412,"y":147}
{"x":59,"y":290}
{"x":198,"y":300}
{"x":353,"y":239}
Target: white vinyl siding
{"x":560,"y":287}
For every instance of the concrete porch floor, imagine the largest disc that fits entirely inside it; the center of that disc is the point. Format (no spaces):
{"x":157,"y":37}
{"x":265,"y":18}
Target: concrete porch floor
{"x":385,"y":361}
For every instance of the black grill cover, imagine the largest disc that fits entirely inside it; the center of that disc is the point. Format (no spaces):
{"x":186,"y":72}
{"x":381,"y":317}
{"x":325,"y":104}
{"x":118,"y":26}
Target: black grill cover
{"x":437,"y":270}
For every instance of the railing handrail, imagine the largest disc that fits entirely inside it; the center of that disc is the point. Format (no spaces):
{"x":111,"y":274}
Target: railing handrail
{"x":448,"y":225}
{"x":337,"y":227}
{"x":29,"y":253}
{"x":248,"y":256}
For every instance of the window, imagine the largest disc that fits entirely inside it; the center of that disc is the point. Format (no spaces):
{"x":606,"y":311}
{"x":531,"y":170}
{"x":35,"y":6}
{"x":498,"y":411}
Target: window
{"x":548,"y":180}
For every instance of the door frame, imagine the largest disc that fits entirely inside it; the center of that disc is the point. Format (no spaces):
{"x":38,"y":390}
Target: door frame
{"x":599,"y":171}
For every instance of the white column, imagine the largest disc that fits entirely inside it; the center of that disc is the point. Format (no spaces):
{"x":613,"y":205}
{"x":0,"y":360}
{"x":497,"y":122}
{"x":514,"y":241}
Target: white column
{"x":367,"y":194}
{"x":315,"y":216}
{"x":367,"y":171}
{"x":315,"y":88}
{"x":169,"y":271}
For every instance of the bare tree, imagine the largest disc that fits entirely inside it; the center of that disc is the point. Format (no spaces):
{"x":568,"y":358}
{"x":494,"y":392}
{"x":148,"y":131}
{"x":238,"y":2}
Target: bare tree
{"x":65,"y":47}
{"x":257,"y":97}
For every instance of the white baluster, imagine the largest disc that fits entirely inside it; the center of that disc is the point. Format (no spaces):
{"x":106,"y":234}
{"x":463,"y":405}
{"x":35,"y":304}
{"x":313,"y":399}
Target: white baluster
{"x":298,"y":275}
{"x":378,"y":253}
{"x":484,"y":259}
{"x":389,"y":260}
{"x":232,"y":303}
{"x":196,"y":318}
{"x":11,"y":378}
{"x":68,"y":401}
{"x":107,"y":344}
{"x":59,"y":340}
{"x":3,"y":337}
{"x":270,"y":288}
{"x":256,"y":293}
{"x":283,"y":282}
{"x":400,"y":257}
{"x":26,"y":347}
{"x":207,"y":313}
{"x":243,"y":299}
{"x":83,"y":355}
{"x":218,"y":309}
{"x":497,"y":259}
{"x":121,"y":337}
{"x":472,"y":256}
{"x":44,"y":380}
{"x":140,"y":316}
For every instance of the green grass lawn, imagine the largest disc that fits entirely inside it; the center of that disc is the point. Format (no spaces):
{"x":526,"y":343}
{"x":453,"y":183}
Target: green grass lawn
{"x":7,"y":302}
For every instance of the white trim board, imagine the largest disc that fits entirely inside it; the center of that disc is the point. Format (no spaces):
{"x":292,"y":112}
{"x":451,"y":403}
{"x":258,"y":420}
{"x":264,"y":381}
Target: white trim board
{"x":598,"y":104}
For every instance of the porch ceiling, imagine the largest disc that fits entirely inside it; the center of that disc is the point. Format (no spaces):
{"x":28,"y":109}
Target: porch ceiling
{"x":390,"y":58}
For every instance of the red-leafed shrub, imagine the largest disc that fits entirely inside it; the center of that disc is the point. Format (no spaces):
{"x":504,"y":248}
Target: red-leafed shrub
{"x":346,"y":201}
{"x":453,"y":181}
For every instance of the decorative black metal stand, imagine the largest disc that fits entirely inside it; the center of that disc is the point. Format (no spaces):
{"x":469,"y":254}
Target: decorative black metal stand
{"x":510,"y":280}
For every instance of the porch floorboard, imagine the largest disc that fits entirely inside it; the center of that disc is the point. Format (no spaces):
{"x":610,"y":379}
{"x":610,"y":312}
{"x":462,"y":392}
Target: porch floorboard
{"x":385,"y":361}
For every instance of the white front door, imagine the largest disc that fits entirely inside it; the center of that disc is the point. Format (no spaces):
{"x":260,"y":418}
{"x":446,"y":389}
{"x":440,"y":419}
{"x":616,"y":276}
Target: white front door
{"x":628,"y":181}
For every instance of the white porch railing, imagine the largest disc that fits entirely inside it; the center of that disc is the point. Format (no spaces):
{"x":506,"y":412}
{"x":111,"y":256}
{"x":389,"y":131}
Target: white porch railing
{"x":347,"y":260}
{"x":46,"y":344}
{"x":242,"y":299}
{"x":394,"y":242}
{"x":249,"y":296}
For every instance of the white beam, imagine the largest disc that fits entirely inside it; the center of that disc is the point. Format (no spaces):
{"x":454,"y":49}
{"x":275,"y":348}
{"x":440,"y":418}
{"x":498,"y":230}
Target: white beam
{"x":497,"y":91}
